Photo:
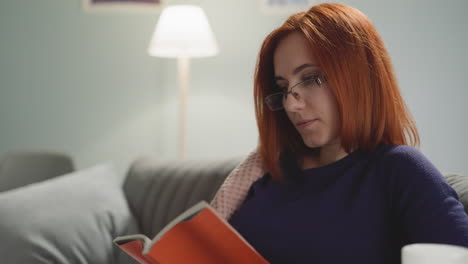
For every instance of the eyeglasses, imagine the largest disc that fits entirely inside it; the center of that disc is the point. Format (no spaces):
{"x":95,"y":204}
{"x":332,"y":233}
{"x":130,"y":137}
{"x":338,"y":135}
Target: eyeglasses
{"x":305,"y":88}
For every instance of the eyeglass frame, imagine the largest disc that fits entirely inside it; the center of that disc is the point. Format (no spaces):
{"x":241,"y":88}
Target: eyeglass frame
{"x":319,"y":80}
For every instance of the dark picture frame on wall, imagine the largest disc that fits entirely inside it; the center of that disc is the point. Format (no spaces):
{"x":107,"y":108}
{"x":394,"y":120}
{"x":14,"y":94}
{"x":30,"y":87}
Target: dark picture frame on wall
{"x":286,"y":6}
{"x":123,"y":5}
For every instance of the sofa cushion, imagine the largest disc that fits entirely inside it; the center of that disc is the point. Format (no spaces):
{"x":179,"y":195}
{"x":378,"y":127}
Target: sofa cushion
{"x":68,"y":219}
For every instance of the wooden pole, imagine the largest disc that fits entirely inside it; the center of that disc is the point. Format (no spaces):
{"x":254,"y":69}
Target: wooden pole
{"x":183,"y":65}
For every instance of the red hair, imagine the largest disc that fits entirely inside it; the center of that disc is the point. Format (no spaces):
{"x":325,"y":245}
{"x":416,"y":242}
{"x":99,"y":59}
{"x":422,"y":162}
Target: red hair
{"x":352,"y":55}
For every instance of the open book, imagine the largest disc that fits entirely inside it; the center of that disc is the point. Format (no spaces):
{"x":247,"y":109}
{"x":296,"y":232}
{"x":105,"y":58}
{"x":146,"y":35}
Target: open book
{"x":198,"y":235}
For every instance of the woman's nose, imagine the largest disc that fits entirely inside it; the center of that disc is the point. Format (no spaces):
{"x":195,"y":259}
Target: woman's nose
{"x":293,"y":102}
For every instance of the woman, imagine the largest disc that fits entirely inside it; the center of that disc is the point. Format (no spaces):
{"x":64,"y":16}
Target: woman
{"x":343,"y":183}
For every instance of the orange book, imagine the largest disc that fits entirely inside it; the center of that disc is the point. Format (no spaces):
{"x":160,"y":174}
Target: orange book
{"x":197,"y":236}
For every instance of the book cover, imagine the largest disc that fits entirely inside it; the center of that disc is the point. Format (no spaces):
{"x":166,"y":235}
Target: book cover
{"x":198,"y":235}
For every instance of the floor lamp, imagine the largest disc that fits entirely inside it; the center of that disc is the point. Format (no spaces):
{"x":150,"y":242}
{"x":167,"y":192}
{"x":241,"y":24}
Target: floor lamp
{"x":183,"y":32}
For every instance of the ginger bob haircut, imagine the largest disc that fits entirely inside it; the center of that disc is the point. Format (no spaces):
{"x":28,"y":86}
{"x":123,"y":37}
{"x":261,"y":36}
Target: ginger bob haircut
{"x":359,"y":72}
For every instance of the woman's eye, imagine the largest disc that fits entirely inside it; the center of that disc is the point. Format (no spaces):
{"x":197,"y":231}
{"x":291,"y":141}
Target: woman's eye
{"x":281,"y":88}
{"x":311,"y":78}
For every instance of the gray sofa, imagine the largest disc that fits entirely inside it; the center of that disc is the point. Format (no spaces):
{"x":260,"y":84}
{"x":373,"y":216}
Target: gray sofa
{"x":153,"y":193}
{"x":73,"y":218}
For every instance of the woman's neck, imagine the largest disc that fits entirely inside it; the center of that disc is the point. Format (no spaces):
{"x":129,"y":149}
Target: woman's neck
{"x":323,"y":156}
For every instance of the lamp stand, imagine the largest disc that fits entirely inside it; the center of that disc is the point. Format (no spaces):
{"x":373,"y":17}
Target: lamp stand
{"x":183,"y":65}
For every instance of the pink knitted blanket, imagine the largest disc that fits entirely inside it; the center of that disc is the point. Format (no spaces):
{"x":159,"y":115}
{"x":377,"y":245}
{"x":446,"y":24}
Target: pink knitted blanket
{"x":233,"y":191}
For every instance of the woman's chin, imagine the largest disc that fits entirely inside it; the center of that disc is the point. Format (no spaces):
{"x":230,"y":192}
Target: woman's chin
{"x":312,"y":143}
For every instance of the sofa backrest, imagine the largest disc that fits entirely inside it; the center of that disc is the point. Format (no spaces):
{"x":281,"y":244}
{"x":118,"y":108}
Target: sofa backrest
{"x":158,"y":191}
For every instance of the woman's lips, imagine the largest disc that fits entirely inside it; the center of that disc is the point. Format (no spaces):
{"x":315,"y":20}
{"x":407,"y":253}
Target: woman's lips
{"x":304,"y":123}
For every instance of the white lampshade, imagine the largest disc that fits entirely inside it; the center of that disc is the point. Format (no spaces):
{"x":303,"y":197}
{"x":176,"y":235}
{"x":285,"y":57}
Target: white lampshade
{"x":183,"y":31}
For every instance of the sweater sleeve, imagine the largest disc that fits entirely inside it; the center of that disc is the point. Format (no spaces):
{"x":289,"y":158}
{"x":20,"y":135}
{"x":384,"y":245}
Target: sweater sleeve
{"x":425,"y":205}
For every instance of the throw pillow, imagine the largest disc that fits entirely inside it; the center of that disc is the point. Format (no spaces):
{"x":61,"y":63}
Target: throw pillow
{"x":68,"y":219}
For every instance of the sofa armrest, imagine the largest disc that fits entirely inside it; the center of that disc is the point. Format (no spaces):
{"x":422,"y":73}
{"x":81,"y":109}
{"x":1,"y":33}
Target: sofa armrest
{"x":21,"y":168}
{"x":460,"y":184}
{"x":158,"y":191}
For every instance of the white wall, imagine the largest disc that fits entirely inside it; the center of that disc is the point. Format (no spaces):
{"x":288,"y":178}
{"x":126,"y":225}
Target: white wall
{"x":83,"y":83}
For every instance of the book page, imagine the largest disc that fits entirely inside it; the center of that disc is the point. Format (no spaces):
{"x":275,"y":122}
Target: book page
{"x":124,"y":239}
{"x":134,"y":247}
{"x":186,"y":215}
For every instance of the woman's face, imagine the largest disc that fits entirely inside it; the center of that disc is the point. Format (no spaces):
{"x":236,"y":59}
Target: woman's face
{"x":314,"y":112}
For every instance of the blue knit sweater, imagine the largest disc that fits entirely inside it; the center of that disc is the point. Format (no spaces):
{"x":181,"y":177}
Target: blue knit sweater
{"x":361,"y":209}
